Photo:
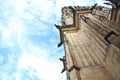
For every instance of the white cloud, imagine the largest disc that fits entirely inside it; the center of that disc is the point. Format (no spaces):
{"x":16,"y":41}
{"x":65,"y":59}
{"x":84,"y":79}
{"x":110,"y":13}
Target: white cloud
{"x":20,"y":5}
{"x":28,"y":16}
{"x":4,"y":76}
{"x":45,"y":69}
{"x":81,"y":2}
{"x":12,"y":32}
{"x":42,"y":8}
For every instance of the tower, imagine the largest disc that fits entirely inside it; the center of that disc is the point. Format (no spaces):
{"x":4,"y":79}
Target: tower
{"x":91,"y":39}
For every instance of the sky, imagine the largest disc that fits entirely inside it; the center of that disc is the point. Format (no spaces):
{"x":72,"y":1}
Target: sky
{"x":28,"y":38}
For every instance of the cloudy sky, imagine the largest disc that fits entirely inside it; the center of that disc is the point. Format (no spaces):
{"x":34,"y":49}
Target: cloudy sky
{"x":28,"y":38}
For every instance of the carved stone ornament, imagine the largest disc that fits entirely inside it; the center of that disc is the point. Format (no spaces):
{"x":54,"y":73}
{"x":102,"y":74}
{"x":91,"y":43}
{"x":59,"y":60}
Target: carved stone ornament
{"x":67,"y":16}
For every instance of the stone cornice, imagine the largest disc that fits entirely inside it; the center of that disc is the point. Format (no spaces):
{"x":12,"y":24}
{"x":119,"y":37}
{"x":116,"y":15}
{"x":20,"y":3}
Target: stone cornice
{"x":75,"y":25}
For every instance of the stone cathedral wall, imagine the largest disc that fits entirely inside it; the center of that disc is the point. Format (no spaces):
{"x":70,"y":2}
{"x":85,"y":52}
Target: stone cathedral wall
{"x":92,"y":43}
{"x":87,"y":49}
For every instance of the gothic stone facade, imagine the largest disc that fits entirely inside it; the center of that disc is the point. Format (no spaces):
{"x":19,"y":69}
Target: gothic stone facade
{"x":91,"y":38}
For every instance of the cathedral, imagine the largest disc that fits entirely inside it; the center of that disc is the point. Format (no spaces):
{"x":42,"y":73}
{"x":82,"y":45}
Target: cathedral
{"x":91,"y":39}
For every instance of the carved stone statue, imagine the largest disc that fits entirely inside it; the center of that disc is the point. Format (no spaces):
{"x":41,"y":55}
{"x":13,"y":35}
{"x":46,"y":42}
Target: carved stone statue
{"x":67,"y":16}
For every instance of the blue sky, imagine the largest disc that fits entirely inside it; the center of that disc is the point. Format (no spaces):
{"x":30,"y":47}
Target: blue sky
{"x":28,"y":38}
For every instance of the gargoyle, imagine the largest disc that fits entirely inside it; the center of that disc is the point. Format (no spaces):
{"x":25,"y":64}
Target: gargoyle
{"x":64,"y":63}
